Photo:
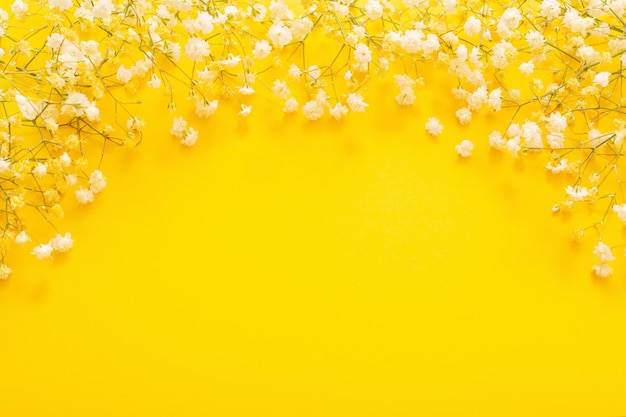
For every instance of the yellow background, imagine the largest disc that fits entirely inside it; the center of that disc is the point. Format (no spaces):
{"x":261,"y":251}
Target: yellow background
{"x":289,"y":268}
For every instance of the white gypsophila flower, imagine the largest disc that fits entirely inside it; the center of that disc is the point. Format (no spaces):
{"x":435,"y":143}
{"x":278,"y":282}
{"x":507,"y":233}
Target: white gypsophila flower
{"x":577,"y":193}
{"x":179,"y":125}
{"x":26,"y":106}
{"x":246,"y":90}
{"x":433,"y":126}
{"x":62,"y":243}
{"x":5,"y":271}
{"x":356,"y":103}
{"x":502,"y":54}
{"x":261,"y":49}
{"x":465,"y":148}
{"x":412,"y":41}
{"x":620,"y":210}
{"x":294,"y":72}
{"x":19,"y":7}
{"x":509,"y":21}
{"x":92,"y":112}
{"x":527,"y":68}
{"x":42,"y":251}
{"x":513,"y":146}
{"x":60,"y":4}
{"x":373,"y":10}
{"x":431,"y":44}
{"x":577,"y":24}
{"x":231,"y":61}
{"x":313,"y":109}
{"x":596,"y":138}
{"x":531,"y":134}
{"x":403,"y":81}
{"x":449,"y":6}
{"x":535,"y":40}
{"x":84,"y":196}
{"x":495,"y":99}
{"x":205,"y":109}
{"x":258,"y":12}
{"x":124,"y":74}
{"x":54,"y":41}
{"x":476,"y":99}
{"x":602,"y":78}
{"x":190,"y":137}
{"x":65,"y":160}
{"x":301,"y":28}
{"x":314,"y":72}
{"x":555,"y":140}
{"x":406,"y":97}
{"x":22,"y":238}
{"x":75,"y":104}
{"x":464,"y":115}
{"x":472,"y":26}
{"x":362,"y":54}
{"x":602,"y":270}
{"x":291,"y":105}
{"x":603,"y":252}
{"x":550,"y":9}
{"x":279,"y":34}
{"x":280,"y":89}
{"x":338,"y":111}
{"x":154,"y":82}
{"x":556,"y":122}
{"x":102,"y":9}
{"x":496,"y":141}
{"x":40,"y":170}
{"x":5,"y":165}
{"x":280,"y":11}
{"x":71,"y":180}
{"x":245,"y":110}
{"x":204,"y":23}
{"x":97,"y":182}
{"x":558,"y":168}
{"x":197,"y":49}
{"x":450,"y":38}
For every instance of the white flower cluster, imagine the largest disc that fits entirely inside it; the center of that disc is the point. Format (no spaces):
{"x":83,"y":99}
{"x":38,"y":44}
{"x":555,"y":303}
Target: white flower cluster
{"x":545,"y":73}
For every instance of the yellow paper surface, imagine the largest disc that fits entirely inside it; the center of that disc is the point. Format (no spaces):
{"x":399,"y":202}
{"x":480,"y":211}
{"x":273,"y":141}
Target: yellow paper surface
{"x":289,"y":268}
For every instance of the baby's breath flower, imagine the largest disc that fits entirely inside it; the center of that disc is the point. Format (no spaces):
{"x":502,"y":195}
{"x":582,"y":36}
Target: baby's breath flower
{"x":496,"y":141}
{"x":577,"y":193}
{"x":40,"y":170}
{"x":43,"y":251}
{"x":280,"y":89}
{"x":245,"y":110}
{"x":291,"y":105}
{"x":205,"y":109}
{"x":279,"y":34}
{"x":261,"y":49}
{"x":178,"y":127}
{"x":464,"y":115}
{"x":5,"y":271}
{"x":124,"y":74}
{"x":97,"y":182}
{"x":434,"y":126}
{"x":60,"y":4}
{"x":313,"y":109}
{"x":190,"y":137}
{"x":197,"y":49}
{"x":465,"y":148}
{"x":22,"y":238}
{"x":602,"y":78}
{"x":84,"y":195}
{"x":338,"y":111}
{"x":62,"y":243}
